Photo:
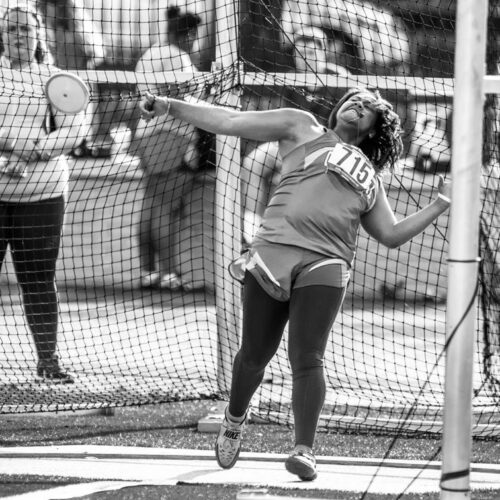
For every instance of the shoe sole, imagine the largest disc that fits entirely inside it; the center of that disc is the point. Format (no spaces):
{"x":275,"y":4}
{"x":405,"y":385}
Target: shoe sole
{"x":54,"y":381}
{"x":171,"y":286}
{"x":300,"y":469}
{"x":149,"y":285}
{"x":231,"y":465}
{"x":43,"y":379}
{"x":164,"y":288}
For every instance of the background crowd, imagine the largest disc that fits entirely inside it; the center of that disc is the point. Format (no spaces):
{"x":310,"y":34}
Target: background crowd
{"x":342,"y":37}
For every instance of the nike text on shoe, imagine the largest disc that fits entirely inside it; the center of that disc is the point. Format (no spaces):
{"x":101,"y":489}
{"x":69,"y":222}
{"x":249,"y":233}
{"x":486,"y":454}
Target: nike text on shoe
{"x":228,"y":443}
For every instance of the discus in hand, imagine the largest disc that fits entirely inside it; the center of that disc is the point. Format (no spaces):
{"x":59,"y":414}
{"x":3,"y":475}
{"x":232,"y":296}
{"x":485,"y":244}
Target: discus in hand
{"x":67,"y":92}
{"x":150,"y":104}
{"x":147,"y":106}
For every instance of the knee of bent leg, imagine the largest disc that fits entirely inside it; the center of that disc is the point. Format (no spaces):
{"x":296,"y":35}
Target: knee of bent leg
{"x":252,"y":361}
{"x":303,"y":361}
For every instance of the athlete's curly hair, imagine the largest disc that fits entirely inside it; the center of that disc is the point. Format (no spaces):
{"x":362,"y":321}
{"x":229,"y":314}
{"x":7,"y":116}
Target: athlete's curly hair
{"x":385,"y":146}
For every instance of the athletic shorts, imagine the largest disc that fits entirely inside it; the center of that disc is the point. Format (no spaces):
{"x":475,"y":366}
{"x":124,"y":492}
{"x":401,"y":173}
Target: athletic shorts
{"x":281,"y":268}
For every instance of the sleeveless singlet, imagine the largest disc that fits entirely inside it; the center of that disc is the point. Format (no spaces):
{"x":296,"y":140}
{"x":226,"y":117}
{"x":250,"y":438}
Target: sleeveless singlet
{"x":326,"y":186}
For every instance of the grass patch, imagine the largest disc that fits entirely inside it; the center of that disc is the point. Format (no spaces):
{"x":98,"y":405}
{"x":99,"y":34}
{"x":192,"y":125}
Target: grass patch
{"x":17,"y":484}
{"x":174,"y":425}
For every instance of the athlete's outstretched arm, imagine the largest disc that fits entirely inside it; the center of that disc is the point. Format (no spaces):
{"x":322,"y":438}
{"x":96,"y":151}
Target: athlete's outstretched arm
{"x":381,"y":223}
{"x":272,"y":125}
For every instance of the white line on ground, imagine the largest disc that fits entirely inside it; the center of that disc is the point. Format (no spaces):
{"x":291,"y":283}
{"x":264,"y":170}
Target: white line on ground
{"x":170,"y":466}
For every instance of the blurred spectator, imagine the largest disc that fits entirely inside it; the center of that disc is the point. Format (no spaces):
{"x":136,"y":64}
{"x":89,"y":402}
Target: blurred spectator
{"x":261,"y":163}
{"x":34,"y":174}
{"x":77,"y":44}
{"x":182,"y":29}
{"x":168,"y":149}
{"x":310,"y":52}
{"x":430,"y":145}
{"x":73,"y":37}
{"x":202,"y":50}
{"x":309,"y":56}
{"x":361,"y":36}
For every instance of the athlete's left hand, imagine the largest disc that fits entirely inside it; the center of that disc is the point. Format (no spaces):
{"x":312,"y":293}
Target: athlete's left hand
{"x":444,"y":188}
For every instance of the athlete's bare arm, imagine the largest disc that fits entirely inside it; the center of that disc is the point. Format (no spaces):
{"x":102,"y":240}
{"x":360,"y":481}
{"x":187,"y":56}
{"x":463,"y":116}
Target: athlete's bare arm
{"x":285,"y":125}
{"x":381,"y":223}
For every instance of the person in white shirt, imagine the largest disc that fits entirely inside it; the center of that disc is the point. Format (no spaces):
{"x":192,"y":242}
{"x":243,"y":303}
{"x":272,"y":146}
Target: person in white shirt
{"x":169,"y":156}
{"x":34,"y":175}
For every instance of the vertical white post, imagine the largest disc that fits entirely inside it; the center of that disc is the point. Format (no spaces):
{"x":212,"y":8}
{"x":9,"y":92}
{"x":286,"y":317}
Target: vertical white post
{"x":227,"y":204}
{"x":468,"y":101}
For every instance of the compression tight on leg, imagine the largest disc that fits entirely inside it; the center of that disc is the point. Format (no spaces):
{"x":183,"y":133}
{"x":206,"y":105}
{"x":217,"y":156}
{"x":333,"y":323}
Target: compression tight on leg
{"x":313,"y":310}
{"x":172,"y":188}
{"x":42,"y":314}
{"x":264,"y":319}
{"x":35,"y":239}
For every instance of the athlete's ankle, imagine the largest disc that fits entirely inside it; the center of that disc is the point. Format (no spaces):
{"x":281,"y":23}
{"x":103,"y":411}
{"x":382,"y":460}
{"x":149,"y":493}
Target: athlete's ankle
{"x":302,"y":448}
{"x":234,"y":419}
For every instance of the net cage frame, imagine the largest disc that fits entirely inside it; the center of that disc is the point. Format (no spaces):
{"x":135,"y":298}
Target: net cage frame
{"x":228,"y":317}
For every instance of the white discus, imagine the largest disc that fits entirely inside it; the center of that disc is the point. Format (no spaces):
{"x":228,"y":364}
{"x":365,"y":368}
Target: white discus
{"x":67,"y":92}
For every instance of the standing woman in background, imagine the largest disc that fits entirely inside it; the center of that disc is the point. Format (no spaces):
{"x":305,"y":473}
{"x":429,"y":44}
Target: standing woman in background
{"x":34,"y":176}
{"x":169,"y":156}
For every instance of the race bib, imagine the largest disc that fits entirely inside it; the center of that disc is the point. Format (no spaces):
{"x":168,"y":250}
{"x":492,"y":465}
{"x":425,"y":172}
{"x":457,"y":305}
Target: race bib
{"x":352,"y":165}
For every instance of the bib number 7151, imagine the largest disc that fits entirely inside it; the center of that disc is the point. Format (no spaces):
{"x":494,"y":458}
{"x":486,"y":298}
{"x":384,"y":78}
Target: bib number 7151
{"x":352,"y":165}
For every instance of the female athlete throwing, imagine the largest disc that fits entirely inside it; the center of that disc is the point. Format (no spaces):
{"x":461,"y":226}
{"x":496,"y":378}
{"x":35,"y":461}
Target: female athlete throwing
{"x":299,"y":262}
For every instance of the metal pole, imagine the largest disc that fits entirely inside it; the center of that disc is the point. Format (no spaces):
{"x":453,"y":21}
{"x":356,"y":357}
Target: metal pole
{"x":463,"y":246}
{"x":227,"y":205}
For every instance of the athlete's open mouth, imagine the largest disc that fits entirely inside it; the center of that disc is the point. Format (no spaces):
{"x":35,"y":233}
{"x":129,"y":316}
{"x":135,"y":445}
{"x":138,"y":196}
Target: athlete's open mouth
{"x":356,"y":110}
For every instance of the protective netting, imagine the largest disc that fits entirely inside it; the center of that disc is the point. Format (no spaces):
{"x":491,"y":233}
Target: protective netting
{"x":147,"y":309}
